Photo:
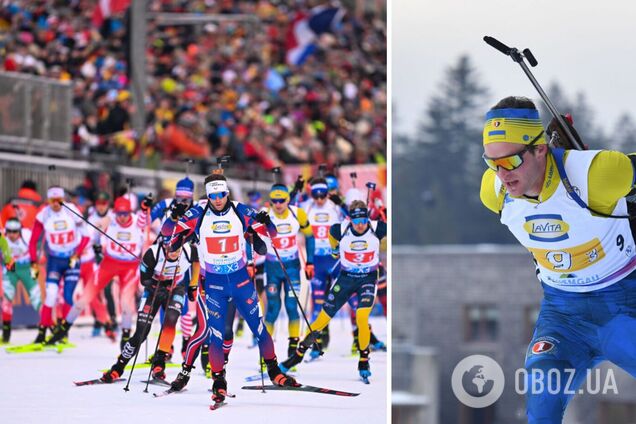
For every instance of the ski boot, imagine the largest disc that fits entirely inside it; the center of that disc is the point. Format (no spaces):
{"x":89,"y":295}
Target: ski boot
{"x":60,"y":332}
{"x":219,"y":387}
{"x":376,"y":344}
{"x":125,"y":336}
{"x":116,"y":371}
{"x":296,"y":357}
{"x":205,"y":362}
{"x":363,"y":365}
{"x":41,"y":337}
{"x":316,"y":350}
{"x":354,"y":345}
{"x":239,"y":327}
{"x":159,"y":365}
{"x":325,"y":338}
{"x":292,"y":346}
{"x":110,"y":332}
{"x":182,"y":378}
{"x":6,"y":331}
{"x":277,"y":376}
{"x":97,"y":329}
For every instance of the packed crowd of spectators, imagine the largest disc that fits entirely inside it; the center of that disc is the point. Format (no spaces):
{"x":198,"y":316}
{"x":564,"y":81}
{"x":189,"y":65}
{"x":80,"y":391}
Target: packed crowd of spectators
{"x":215,"y":88}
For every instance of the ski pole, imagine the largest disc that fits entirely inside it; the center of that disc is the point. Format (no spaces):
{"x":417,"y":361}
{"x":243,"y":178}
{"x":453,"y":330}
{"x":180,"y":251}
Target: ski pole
{"x":370,"y":188}
{"x":519,"y":57}
{"x":282,"y":266}
{"x":165,"y":307}
{"x":148,"y":324}
{"x":260,"y":355}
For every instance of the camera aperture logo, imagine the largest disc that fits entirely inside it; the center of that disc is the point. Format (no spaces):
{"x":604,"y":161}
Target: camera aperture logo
{"x":477,"y":381}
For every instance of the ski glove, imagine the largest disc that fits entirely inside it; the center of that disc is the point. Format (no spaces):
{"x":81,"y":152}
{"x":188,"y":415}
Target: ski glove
{"x":263,"y":218}
{"x":146,"y":203}
{"x":309,"y":271}
{"x":177,"y":210}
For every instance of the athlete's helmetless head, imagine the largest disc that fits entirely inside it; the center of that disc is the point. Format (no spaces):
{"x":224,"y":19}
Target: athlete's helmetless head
{"x":279,"y":198}
{"x":515,"y":146}
{"x":217,"y":191}
{"x":359,"y":215}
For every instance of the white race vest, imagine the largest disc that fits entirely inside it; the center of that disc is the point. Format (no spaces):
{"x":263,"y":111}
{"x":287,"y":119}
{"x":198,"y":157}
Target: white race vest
{"x":286,"y":241}
{"x":359,"y":254}
{"x":100,"y":222}
{"x":575,"y":251}
{"x":131,"y":237}
{"x":20,"y":247}
{"x":172,"y":269}
{"x":61,"y":230}
{"x":321,"y":219}
{"x":222,"y":245}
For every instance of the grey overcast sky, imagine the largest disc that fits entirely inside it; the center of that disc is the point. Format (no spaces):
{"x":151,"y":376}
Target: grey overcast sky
{"x":586,"y":46}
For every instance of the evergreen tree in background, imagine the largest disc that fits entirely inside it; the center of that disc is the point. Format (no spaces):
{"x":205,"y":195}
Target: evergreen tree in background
{"x":437,"y":171}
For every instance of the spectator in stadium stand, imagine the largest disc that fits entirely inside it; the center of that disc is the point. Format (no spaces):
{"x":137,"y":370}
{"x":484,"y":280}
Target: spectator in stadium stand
{"x":231,"y":85}
{"x":24,"y":206}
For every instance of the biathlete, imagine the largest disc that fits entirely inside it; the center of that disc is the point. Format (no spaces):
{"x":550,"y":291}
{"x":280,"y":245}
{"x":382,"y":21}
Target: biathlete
{"x":356,"y":242}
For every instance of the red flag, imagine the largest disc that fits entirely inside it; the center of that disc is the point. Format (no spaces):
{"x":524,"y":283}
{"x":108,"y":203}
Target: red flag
{"x":106,"y":8}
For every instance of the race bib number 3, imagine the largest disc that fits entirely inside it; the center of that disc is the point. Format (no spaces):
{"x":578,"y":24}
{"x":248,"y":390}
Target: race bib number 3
{"x":63,"y":237}
{"x":284,"y":242}
{"x":222,"y":245}
{"x":359,"y":258}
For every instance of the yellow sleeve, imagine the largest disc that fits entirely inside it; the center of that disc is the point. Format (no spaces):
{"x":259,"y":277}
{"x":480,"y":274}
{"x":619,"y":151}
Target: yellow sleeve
{"x":333,"y":242}
{"x":305,"y":226}
{"x":492,"y":198}
{"x":194,"y":281}
{"x":610,"y":178}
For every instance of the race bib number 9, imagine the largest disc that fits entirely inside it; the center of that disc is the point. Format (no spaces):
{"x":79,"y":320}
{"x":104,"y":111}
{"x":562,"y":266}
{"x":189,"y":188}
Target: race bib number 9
{"x":62,"y":238}
{"x":284,"y":242}
{"x":320,"y":231}
{"x":222,"y":245}
{"x":359,"y":258}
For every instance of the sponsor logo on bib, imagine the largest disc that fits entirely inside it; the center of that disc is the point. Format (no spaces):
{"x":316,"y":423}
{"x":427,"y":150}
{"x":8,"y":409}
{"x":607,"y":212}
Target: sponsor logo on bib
{"x":59,"y":225}
{"x":322,"y":217}
{"x":124,"y":236}
{"x":221,"y":227}
{"x":284,"y":228}
{"x":546,"y":228}
{"x":359,"y":245}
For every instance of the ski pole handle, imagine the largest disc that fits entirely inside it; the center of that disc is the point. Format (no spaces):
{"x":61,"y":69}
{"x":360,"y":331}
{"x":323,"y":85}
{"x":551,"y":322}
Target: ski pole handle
{"x":493,"y":42}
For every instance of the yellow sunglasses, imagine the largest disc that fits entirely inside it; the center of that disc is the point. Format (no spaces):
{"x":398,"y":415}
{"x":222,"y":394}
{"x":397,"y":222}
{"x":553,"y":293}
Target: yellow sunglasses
{"x":510,"y":162}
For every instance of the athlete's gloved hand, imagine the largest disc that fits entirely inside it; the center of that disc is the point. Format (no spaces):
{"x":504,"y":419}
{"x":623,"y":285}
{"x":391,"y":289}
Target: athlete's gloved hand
{"x":309,"y":270}
{"x":97,"y":249}
{"x":10,"y":265}
{"x":336,"y":199}
{"x":73,"y":261}
{"x":263,"y":218}
{"x":192,"y":292}
{"x":150,"y":283}
{"x":258,"y":244}
{"x":335,"y":253}
{"x":35,"y":270}
{"x":177,"y":210}
{"x":251,"y":269}
{"x":146,"y":203}
{"x":298,"y":187}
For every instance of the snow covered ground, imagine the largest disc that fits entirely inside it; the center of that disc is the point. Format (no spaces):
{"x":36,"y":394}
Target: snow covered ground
{"x":37,"y":387}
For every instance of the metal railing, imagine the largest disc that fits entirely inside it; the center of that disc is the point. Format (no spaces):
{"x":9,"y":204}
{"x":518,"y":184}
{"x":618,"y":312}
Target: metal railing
{"x":35,"y":113}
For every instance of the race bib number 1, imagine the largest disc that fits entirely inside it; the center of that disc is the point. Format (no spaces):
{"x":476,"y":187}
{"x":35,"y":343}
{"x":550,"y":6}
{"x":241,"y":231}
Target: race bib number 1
{"x":222,"y":245}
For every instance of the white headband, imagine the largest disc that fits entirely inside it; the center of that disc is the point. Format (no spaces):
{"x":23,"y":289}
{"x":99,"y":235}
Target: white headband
{"x":55,"y":193}
{"x":216,"y":186}
{"x":319,"y":186}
